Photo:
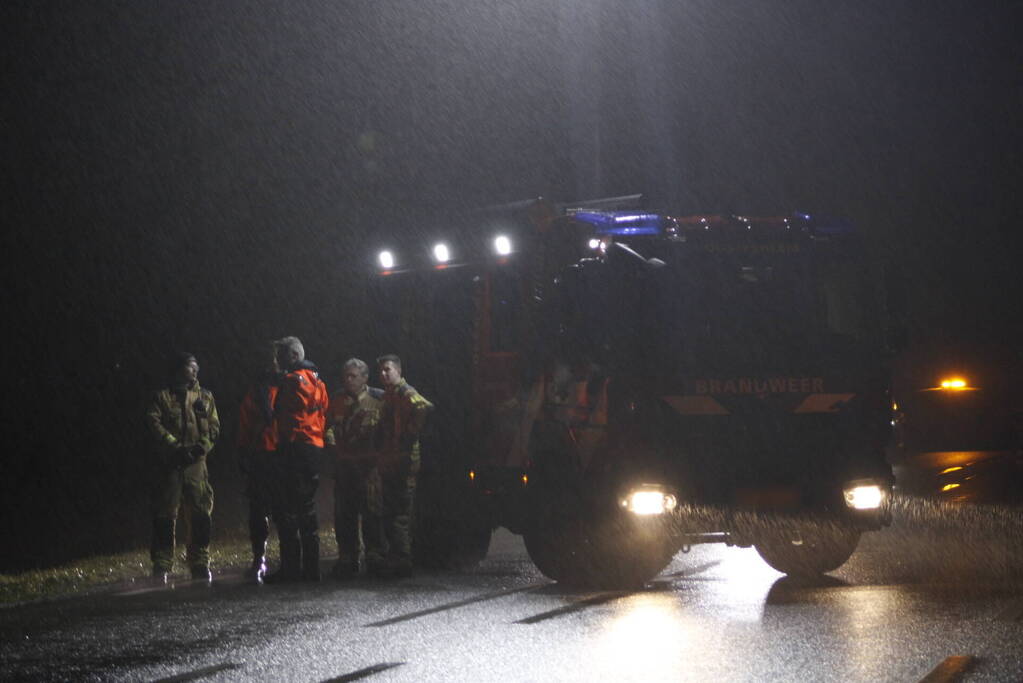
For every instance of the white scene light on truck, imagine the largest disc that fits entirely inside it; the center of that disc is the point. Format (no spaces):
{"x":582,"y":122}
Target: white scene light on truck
{"x":864,"y":496}
{"x":646,"y":501}
{"x":441,"y":253}
{"x":386,"y":260}
{"x":502,"y":245}
{"x":594,"y":244}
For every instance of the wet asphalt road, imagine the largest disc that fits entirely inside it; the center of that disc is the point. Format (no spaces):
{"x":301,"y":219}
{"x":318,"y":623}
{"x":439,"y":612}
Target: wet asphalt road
{"x":940,"y":595}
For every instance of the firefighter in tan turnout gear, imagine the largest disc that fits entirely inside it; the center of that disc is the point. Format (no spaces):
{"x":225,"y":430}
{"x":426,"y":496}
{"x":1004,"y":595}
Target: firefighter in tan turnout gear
{"x":402,"y":418}
{"x":352,"y":420}
{"x":183,"y":422}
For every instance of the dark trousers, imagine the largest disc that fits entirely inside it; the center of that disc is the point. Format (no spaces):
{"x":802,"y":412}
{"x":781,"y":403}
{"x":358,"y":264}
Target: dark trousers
{"x":296,"y":477}
{"x":259,"y":493}
{"x":398,"y":493}
{"x":357,"y":509}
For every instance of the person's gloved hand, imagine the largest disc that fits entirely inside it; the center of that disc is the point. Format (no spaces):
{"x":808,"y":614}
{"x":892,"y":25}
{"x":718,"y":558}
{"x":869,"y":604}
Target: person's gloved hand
{"x":182,"y":456}
{"x":196,"y":452}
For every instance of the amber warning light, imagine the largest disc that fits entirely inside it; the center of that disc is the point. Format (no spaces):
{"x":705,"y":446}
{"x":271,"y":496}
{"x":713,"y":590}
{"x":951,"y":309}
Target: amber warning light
{"x":956,"y":383}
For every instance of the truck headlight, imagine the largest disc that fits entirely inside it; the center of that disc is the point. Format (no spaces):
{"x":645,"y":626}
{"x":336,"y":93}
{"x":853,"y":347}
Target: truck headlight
{"x":864,"y":495}
{"x":647,"y":500}
{"x":502,"y":245}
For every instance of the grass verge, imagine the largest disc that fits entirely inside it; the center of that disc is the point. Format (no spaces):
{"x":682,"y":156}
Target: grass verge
{"x":92,"y":573}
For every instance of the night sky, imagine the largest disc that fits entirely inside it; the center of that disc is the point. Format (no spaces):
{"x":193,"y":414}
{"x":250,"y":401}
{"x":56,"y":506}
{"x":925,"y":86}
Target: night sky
{"x":206,"y":177}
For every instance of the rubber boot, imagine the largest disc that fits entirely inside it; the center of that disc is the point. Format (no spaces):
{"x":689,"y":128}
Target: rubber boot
{"x":199,"y":547}
{"x":311,"y":558}
{"x":257,"y":571}
{"x":161,"y":550}
{"x":376,"y":543}
{"x":291,"y":562}
{"x":345,"y":568}
{"x":259,"y":531}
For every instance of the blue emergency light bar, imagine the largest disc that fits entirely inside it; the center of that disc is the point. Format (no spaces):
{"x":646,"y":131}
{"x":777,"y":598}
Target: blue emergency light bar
{"x":826,"y":225}
{"x":621,"y":222}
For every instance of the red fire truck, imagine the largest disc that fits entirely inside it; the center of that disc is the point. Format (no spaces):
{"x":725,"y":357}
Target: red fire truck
{"x":617,"y":385}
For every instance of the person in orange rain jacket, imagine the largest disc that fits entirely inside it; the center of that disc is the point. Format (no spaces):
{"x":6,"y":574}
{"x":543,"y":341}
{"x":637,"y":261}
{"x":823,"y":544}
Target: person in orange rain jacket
{"x":300,"y":414}
{"x":257,"y":443}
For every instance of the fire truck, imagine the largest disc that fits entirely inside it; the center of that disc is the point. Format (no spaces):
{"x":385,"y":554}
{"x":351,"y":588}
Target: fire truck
{"x":618,"y":385}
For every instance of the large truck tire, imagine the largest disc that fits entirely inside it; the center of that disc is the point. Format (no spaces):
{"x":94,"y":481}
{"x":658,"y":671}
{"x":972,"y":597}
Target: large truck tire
{"x":576,"y":534}
{"x":613,"y":553}
{"x":807,"y":549}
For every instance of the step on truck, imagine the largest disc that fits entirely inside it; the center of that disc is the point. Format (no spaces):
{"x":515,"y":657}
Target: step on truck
{"x":618,"y":385}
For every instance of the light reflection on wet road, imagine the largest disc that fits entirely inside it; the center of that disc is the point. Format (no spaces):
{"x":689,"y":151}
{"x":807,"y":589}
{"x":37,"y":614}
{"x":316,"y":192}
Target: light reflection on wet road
{"x":941,"y":584}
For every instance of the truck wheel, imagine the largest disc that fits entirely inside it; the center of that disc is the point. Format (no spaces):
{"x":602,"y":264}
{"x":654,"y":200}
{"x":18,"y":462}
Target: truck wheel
{"x":808,"y":549}
{"x":614,"y":553}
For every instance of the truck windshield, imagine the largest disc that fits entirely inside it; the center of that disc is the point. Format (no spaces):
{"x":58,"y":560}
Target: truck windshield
{"x":763,"y":307}
{"x":761,"y":304}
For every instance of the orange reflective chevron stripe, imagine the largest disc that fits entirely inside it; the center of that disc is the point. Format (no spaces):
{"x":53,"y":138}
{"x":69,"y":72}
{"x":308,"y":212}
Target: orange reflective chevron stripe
{"x":823,"y":403}
{"x":696,"y":405}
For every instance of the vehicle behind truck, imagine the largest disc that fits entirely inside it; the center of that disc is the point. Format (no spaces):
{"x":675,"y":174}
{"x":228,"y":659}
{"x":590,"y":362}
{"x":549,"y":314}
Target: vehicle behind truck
{"x":666,"y":382}
{"x":958,"y":422}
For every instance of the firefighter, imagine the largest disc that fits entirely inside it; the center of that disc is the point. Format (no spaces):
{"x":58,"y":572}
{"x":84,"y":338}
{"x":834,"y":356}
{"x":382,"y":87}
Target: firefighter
{"x":300,"y":413}
{"x":554,"y":244}
{"x":402,"y":418}
{"x":257,"y":441}
{"x":352,"y":419}
{"x":182,"y":419}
